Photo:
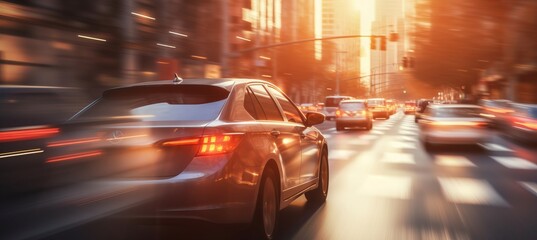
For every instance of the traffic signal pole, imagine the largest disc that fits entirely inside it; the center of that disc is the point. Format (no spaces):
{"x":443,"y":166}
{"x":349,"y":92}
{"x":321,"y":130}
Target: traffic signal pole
{"x":238,"y":53}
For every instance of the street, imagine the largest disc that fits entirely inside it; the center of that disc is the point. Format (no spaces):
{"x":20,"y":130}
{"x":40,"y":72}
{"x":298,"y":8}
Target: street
{"x":384,"y":185}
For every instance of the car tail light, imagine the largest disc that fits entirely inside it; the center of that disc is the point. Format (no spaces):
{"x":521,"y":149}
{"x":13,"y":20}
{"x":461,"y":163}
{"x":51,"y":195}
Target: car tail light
{"x":459,"y":123}
{"x":527,"y":124}
{"x":363,"y":112}
{"x":208,"y":145}
{"x":338,"y":113}
{"x":28,"y":134}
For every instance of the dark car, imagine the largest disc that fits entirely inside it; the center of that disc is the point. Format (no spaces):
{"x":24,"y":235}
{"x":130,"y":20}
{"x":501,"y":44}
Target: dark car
{"x":353,"y":113}
{"x":497,"y":111}
{"x":521,"y":123}
{"x":420,"y":108}
{"x":218,"y":150}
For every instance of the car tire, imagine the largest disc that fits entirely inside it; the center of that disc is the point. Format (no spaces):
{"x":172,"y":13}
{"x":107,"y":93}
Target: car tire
{"x":267,"y":209}
{"x":370,"y":125}
{"x":428,"y":146}
{"x":319,"y":194}
{"x":339,"y":127}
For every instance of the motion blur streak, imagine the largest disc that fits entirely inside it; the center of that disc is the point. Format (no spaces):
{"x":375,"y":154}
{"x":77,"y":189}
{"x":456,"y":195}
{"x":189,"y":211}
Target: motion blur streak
{"x":28,"y":134}
{"x":72,"y":142}
{"x":74,"y":156}
{"x":126,"y":137}
{"x":21,"y":152}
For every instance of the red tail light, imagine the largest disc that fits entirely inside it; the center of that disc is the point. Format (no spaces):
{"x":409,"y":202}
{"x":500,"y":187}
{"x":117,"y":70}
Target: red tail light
{"x":208,"y":145}
{"x":28,"y":134}
{"x":74,"y":156}
{"x":338,"y":113}
{"x":526,"y":124}
{"x":460,"y":123}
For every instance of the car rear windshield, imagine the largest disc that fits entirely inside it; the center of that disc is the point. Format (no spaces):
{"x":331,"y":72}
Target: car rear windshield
{"x":456,"y":112}
{"x":352,"y":106}
{"x":160,"y":103}
{"x":333,"y":101}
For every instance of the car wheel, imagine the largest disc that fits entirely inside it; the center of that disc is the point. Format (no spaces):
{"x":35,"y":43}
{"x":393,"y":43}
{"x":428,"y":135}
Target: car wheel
{"x":318,"y":195}
{"x":370,"y":126}
{"x":267,"y":210}
{"x":428,"y":146}
{"x":339,"y":127}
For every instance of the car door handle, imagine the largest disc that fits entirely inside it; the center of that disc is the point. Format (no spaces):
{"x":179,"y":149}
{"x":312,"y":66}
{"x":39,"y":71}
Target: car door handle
{"x":275,"y":133}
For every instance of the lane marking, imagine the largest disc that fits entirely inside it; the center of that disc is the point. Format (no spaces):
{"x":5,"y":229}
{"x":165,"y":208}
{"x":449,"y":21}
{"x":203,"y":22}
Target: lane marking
{"x":386,"y":186}
{"x":471,"y":191}
{"x":453,"y":161}
{"x":402,"y":145}
{"x":398,"y":158}
{"x":515,"y":163}
{"x":532,"y":187}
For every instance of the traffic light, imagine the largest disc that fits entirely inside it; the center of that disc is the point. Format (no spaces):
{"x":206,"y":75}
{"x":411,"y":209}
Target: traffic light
{"x":383,"y":43}
{"x":373,"y":43}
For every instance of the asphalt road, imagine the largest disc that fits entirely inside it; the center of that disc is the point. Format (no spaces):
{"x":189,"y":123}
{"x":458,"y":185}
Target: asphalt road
{"x":384,"y":185}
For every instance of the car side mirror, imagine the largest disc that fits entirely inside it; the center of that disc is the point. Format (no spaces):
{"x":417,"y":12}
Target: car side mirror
{"x":314,"y":118}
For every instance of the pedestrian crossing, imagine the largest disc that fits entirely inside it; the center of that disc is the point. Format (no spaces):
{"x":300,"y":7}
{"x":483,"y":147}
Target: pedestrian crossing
{"x":400,"y":144}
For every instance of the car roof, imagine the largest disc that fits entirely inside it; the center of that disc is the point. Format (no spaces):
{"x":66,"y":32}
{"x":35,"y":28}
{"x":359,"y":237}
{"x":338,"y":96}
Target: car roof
{"x":353,"y":101}
{"x":226,"y":83}
{"x":454,"y":106}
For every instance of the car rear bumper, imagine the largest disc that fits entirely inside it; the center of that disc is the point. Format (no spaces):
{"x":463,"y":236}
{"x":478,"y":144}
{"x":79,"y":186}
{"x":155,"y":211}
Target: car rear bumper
{"x":461,"y":137}
{"x":353,"y":121}
{"x":204,"y":191}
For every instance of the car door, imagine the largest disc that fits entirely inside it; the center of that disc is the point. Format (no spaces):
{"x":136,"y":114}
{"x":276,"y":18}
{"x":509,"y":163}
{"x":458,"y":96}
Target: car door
{"x":287,"y":140}
{"x":308,"y":136}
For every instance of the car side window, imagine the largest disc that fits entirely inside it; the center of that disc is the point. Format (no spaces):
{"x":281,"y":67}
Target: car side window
{"x":249,"y":105}
{"x":266,"y":104}
{"x":291,"y":112}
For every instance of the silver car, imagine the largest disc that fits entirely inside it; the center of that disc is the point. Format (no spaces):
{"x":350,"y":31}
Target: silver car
{"x":218,"y":150}
{"x":353,"y":113}
{"x":452,"y":124}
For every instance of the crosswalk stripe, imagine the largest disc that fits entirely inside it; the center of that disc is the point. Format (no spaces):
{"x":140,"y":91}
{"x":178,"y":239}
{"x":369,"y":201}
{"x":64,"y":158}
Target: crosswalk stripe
{"x":402,"y":145}
{"x":407,"y":132}
{"x":340,"y":154}
{"x":453,"y":161}
{"x":532,"y":187}
{"x":397,"y":187}
{"x":471,"y":191}
{"x":401,"y":158}
{"x":369,"y":137}
{"x":515,"y":163}
{"x":376,"y":132}
{"x":359,"y":141}
{"x":495,"y":147}
{"x":406,"y":138}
